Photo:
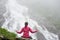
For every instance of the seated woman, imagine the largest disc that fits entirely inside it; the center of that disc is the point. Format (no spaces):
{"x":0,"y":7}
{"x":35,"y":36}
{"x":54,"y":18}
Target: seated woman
{"x":26,"y":31}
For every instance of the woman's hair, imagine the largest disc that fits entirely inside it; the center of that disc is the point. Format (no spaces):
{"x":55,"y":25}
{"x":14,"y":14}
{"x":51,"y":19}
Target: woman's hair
{"x":26,"y":23}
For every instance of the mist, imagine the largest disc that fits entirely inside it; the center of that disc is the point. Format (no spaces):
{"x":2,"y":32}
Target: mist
{"x":46,"y":12}
{"x":46,"y":8}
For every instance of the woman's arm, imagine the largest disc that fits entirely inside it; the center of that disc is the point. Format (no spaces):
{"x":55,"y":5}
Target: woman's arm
{"x":32,"y":30}
{"x":20,"y":31}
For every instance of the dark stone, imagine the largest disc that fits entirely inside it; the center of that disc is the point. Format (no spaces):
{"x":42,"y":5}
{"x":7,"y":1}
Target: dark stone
{"x":4,"y":39}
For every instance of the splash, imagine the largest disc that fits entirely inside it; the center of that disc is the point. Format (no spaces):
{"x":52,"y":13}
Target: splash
{"x":14,"y":20}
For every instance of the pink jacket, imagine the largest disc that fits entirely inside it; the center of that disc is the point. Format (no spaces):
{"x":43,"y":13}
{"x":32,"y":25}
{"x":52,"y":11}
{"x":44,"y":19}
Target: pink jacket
{"x":26,"y":31}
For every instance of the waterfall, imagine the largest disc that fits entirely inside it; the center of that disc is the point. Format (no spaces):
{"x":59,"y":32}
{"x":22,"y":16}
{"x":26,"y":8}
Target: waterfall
{"x":14,"y":20}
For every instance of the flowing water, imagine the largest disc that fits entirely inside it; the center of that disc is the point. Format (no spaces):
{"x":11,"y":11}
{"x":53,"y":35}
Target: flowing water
{"x":16,"y":18}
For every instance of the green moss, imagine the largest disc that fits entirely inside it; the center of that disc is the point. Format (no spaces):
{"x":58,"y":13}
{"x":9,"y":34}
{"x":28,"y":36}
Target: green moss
{"x":7,"y":34}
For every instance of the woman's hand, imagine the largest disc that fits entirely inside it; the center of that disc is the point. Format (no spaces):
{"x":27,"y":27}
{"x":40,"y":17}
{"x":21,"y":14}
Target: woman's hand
{"x":36,"y":31}
{"x":17,"y":31}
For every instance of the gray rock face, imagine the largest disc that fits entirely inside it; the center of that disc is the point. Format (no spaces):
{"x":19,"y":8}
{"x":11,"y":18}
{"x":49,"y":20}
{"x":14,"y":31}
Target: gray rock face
{"x":2,"y":11}
{"x":35,"y":14}
{"x":40,"y":36}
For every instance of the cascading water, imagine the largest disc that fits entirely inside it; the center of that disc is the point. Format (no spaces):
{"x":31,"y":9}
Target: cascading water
{"x":14,"y":20}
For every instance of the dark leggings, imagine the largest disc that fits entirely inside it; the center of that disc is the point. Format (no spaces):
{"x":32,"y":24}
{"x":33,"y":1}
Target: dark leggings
{"x":28,"y":37}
